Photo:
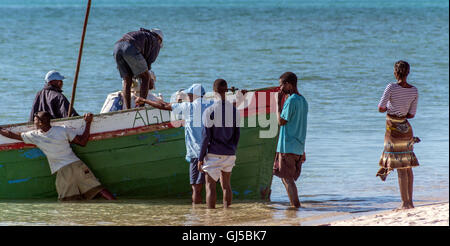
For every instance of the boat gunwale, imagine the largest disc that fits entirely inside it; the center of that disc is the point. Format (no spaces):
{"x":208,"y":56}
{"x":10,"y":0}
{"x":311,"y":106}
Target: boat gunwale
{"x":112,"y":113}
{"x":114,"y":133}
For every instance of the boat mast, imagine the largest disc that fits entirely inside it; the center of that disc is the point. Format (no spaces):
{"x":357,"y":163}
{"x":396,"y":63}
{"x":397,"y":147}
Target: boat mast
{"x":74,"y":87}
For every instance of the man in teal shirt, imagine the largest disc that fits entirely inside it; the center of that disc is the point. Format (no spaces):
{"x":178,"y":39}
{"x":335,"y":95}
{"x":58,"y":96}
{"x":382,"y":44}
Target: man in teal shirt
{"x":292,"y":117}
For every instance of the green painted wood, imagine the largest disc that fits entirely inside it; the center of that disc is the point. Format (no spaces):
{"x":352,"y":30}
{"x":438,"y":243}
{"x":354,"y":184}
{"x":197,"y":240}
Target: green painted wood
{"x":147,"y":165}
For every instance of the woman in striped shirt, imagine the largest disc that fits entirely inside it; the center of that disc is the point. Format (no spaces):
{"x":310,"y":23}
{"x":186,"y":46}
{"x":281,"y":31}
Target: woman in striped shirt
{"x":399,"y":100}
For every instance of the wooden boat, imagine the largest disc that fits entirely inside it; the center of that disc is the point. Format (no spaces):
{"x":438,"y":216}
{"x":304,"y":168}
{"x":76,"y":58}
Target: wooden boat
{"x":140,"y":153}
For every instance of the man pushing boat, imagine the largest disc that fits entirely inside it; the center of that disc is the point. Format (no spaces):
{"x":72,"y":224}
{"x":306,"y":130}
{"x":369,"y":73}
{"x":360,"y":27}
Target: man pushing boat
{"x":192,"y":112}
{"x":74,"y":180}
{"x":220,"y":138}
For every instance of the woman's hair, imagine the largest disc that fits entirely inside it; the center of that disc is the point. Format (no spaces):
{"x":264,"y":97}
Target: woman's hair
{"x":401,"y":69}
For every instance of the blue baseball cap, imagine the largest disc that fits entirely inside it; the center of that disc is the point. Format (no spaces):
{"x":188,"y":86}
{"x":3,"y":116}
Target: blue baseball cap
{"x":53,"y":75}
{"x":195,"y":89}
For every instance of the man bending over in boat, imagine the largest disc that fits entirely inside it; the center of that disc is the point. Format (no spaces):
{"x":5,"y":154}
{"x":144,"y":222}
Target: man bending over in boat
{"x":292,"y":117}
{"x":192,"y":112}
{"x":218,"y":150}
{"x":74,"y":180}
{"x":134,"y":54}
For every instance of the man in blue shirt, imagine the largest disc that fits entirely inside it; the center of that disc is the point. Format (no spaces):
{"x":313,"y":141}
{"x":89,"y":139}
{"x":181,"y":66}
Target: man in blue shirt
{"x":192,"y":112}
{"x":292,"y":117}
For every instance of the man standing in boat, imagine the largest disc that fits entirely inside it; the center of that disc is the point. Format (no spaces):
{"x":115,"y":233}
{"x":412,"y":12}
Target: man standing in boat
{"x":134,"y":54}
{"x":292,"y":117}
{"x":192,"y":112}
{"x":74,"y":180}
{"x":51,"y":99}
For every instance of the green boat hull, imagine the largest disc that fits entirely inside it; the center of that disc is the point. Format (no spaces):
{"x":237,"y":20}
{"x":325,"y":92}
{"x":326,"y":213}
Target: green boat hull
{"x":140,"y":153}
{"x":144,"y":165}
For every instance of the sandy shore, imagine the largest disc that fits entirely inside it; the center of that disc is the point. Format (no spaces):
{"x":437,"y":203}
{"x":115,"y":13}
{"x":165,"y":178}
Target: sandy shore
{"x":425,"y":215}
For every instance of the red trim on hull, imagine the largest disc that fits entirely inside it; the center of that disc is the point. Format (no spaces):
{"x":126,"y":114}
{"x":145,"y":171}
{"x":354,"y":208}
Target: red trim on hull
{"x":251,"y":110}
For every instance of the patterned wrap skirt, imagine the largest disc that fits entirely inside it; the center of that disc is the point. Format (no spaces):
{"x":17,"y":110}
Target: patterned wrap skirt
{"x":398,"y":146}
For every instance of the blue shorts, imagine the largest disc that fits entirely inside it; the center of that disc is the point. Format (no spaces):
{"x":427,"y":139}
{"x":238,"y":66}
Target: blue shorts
{"x":196,"y":177}
{"x":130,"y":61}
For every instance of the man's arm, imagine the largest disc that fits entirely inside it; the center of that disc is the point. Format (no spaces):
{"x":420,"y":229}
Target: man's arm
{"x":206,"y":137}
{"x":10,"y":134}
{"x":83,"y":139}
{"x":156,"y":104}
{"x":237,"y":128}
{"x":237,"y":134}
{"x":240,"y":98}
{"x":280,"y":97}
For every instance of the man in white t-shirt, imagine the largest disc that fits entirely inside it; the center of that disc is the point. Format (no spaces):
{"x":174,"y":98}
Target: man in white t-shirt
{"x":74,"y":180}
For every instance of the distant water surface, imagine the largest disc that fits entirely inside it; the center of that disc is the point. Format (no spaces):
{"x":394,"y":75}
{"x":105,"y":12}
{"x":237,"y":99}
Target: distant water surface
{"x":342,"y":51}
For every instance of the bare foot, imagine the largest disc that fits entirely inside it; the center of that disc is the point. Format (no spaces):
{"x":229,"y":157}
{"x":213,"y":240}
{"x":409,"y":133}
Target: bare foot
{"x":295,"y":206}
{"x":402,"y":207}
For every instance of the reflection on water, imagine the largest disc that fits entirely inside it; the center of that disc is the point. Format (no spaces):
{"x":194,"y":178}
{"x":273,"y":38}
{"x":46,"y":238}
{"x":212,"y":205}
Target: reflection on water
{"x":128,"y":212}
{"x":181,"y":212}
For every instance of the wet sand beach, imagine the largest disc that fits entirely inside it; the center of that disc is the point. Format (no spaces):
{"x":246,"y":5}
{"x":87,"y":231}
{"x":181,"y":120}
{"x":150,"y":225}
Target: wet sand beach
{"x":425,"y":215}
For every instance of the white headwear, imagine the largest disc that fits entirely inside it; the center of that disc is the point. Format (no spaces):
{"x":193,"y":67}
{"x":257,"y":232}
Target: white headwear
{"x":159,"y":33}
{"x":53,"y":75}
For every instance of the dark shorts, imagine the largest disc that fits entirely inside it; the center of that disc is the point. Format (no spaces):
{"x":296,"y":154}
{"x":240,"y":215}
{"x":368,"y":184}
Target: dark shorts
{"x":287,"y":165}
{"x":130,"y":61}
{"x":196,"y":177}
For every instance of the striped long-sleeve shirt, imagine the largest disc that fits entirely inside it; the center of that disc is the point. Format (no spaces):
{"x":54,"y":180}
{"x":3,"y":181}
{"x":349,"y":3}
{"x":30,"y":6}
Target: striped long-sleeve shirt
{"x":399,"y":101}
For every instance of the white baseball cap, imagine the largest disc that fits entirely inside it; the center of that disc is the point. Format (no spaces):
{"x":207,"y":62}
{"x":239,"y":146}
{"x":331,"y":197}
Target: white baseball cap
{"x":195,"y":89}
{"x":159,"y":32}
{"x":53,"y":75}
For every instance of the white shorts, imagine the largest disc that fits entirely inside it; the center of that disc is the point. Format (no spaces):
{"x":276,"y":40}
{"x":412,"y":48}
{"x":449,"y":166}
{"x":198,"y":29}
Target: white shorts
{"x":215,"y":164}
